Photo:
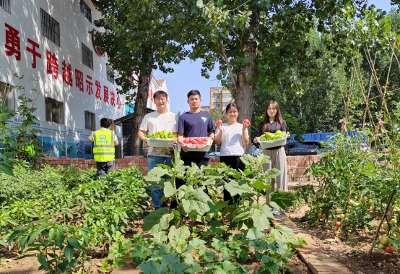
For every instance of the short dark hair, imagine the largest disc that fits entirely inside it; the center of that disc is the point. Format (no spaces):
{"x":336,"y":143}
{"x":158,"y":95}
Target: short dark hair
{"x":33,"y":137}
{"x":193,"y":92}
{"x":105,"y":122}
{"x":160,"y":93}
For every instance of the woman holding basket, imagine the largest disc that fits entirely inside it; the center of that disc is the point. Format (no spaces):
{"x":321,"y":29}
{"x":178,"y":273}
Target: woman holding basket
{"x":272,"y":122}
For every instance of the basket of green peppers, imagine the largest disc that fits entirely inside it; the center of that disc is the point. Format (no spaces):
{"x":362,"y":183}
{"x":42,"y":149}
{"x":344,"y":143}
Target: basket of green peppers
{"x":160,"y":139}
{"x":269,"y":139}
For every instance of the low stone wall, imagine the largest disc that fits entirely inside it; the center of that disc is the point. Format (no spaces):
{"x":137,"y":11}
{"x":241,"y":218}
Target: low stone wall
{"x":296,"y":165}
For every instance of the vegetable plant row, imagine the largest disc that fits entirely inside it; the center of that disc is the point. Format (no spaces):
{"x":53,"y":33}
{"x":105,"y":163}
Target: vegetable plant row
{"x":66,"y":215}
{"x":358,"y":190}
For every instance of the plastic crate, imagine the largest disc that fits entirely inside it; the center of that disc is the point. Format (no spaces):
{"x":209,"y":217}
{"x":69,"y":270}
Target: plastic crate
{"x":199,"y":148}
{"x":160,"y":142}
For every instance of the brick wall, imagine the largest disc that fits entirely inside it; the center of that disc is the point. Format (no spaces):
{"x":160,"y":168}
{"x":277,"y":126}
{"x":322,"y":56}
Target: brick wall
{"x":296,"y":165}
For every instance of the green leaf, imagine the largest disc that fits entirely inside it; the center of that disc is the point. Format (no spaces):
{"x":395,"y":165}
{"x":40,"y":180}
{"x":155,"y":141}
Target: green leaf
{"x":238,"y":187}
{"x":2,"y":243}
{"x":160,"y":236}
{"x":260,"y":184}
{"x":196,"y":200}
{"x":255,"y":234}
{"x":270,"y":263}
{"x":242,"y":216}
{"x":208,"y":255}
{"x":259,"y":246}
{"x":69,"y":252}
{"x":140,"y":254}
{"x":157,"y":220}
{"x":169,"y":189}
{"x":52,"y":233}
{"x":183,"y":230}
{"x":6,"y":169}
{"x":271,"y":173}
{"x":151,"y":267}
{"x":281,"y":199}
{"x":261,"y":218}
{"x":283,"y":233}
{"x":42,"y":260}
{"x":173,"y":261}
{"x":74,"y":242}
{"x":220,"y":205}
{"x":198,"y":243}
{"x":60,"y":236}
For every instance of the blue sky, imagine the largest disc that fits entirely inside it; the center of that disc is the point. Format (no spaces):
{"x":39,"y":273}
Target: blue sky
{"x":187,"y":76}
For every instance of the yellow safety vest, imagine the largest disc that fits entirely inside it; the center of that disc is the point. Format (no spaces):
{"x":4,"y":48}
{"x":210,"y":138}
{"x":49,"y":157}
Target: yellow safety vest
{"x":103,"y":150}
{"x":29,"y":149}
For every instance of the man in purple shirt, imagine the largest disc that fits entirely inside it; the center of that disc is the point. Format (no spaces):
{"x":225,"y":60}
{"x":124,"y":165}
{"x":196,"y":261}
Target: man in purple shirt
{"x":195,"y":123}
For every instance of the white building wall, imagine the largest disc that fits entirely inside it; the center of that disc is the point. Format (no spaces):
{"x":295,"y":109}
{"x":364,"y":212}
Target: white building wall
{"x":25,"y":17}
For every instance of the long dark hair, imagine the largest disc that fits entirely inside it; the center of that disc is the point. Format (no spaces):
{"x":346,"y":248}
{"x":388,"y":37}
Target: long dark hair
{"x":230,"y":105}
{"x":278,"y":116}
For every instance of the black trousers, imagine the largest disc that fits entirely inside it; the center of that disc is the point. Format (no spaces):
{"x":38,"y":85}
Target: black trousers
{"x":187,"y":161}
{"x":236,"y":163}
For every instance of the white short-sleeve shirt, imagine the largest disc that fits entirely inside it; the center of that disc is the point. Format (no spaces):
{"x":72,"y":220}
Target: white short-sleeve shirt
{"x":153,"y":122}
{"x":232,"y":144}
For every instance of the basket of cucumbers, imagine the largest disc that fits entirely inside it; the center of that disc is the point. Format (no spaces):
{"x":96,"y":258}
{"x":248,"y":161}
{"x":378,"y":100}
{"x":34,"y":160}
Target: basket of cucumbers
{"x":160,"y":139}
{"x":269,"y":139}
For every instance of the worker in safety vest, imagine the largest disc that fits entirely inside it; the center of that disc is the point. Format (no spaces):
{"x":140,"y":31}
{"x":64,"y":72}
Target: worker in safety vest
{"x":30,"y":149}
{"x":104,"y":141}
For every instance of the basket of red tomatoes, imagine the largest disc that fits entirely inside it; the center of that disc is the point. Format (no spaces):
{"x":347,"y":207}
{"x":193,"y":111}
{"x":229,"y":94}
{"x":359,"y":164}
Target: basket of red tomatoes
{"x":201,"y":144}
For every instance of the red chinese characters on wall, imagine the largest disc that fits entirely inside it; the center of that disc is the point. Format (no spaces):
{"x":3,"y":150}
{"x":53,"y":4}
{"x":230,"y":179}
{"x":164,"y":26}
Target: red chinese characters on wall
{"x":67,"y":73}
{"x":89,"y":85}
{"x":113,"y":98}
{"x":106,"y":94}
{"x":13,"y":45}
{"x":13,"y":48}
{"x":79,"y":79}
{"x":119,"y":102}
{"x":52,"y":64}
{"x":98,"y":88}
{"x":33,"y":51}
{"x":150,"y":95}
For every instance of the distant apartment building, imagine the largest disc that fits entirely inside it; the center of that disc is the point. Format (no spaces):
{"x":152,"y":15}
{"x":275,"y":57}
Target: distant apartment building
{"x":220,"y":98}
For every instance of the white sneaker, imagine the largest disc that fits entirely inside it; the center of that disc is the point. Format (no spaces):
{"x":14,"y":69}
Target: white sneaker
{"x":276,"y":211}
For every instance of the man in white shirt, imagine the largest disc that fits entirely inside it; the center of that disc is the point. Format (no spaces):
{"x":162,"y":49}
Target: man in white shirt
{"x":159,"y":120}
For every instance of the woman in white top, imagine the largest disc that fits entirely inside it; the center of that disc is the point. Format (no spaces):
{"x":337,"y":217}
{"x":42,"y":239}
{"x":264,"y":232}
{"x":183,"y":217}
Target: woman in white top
{"x":233,"y":137}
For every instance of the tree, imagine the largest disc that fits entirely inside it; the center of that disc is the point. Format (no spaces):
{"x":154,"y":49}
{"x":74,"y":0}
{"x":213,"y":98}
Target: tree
{"x":216,"y":114}
{"x":140,"y":36}
{"x":261,"y":42}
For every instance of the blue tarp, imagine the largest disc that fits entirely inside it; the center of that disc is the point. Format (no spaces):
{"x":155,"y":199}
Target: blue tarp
{"x":321,"y":137}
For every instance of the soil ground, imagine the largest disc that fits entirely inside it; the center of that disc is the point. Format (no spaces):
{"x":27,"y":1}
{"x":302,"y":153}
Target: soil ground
{"x":353,"y":251}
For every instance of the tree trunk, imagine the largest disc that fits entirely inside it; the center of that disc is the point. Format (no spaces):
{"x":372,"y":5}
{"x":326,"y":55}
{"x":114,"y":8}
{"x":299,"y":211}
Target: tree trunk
{"x":140,"y":109}
{"x":139,"y":112}
{"x":244,"y":87}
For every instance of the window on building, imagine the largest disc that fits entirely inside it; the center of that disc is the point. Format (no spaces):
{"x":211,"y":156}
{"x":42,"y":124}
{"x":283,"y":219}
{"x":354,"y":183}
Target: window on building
{"x":226,"y":95}
{"x":216,"y":105}
{"x":54,"y":111}
{"x":87,"y":56}
{"x":224,"y":104}
{"x":110,"y":78}
{"x":5,"y":5}
{"x":216,"y":90}
{"x":90,"y":120}
{"x":216,"y":96}
{"x":50,"y":27}
{"x":86,"y":11}
{"x":7,"y":95}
